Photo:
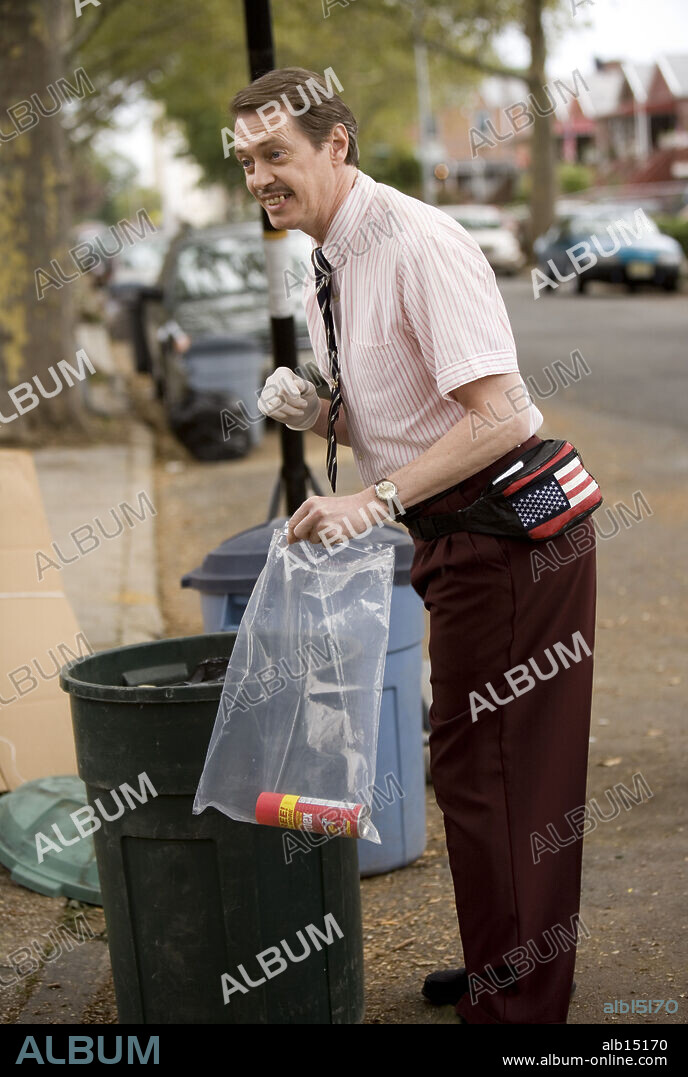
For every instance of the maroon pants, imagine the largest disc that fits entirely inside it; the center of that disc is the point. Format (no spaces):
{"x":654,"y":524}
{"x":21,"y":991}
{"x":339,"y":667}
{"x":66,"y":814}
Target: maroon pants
{"x":509,"y":762}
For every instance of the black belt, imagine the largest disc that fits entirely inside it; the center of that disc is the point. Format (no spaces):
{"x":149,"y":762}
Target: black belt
{"x":433,"y":527}
{"x":430,"y":527}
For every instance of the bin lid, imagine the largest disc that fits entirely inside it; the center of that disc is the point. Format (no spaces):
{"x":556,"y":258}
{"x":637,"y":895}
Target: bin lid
{"x":67,"y":870}
{"x":235,"y":565}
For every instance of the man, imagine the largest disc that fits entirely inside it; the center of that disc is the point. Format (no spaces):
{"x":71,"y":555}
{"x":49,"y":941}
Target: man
{"x":409,"y":328}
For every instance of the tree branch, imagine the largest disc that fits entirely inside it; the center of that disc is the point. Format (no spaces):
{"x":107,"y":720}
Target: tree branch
{"x":92,"y":26}
{"x":421,"y":16}
{"x":474,"y":61}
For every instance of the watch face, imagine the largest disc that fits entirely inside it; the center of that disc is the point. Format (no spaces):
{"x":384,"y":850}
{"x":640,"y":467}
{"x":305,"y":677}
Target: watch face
{"x":385,"y":489}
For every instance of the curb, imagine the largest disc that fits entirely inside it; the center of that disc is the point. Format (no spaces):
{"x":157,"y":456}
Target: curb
{"x":141,"y":618}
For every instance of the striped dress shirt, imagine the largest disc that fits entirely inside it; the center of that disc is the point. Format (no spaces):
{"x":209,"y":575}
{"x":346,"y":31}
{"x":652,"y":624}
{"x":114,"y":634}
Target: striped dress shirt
{"x":417,"y":313}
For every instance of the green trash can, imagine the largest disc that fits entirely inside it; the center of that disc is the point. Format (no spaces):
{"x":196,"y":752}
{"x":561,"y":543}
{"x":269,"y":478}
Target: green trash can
{"x":209,"y":920}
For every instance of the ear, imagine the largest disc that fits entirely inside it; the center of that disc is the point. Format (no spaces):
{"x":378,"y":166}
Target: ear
{"x":339,"y":143}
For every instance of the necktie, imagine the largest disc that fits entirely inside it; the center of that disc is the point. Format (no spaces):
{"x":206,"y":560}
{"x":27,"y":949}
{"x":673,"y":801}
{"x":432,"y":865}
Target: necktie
{"x":323,"y":291}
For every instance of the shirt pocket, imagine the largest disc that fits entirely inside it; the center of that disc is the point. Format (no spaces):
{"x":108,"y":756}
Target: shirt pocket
{"x":387,"y":376}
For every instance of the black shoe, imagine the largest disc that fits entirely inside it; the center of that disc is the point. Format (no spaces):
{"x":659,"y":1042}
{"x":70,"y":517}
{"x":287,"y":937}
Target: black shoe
{"x":446,"y":988}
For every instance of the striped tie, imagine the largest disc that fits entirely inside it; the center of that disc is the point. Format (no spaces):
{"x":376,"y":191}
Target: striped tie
{"x":323,"y":290}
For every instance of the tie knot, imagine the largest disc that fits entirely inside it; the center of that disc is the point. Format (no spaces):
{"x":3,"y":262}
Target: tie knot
{"x":320,"y":262}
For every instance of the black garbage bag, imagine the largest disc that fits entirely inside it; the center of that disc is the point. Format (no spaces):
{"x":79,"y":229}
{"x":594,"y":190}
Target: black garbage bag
{"x":198,"y":423}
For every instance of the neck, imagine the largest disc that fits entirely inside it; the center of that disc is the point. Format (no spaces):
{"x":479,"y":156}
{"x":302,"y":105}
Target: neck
{"x":343,"y":189}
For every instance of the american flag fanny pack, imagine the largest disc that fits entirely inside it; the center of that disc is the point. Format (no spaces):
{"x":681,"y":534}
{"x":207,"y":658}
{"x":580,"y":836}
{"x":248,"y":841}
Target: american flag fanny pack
{"x":542,"y":494}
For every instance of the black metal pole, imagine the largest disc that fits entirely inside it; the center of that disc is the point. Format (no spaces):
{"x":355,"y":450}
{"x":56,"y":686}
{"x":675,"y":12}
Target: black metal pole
{"x":294,"y":475}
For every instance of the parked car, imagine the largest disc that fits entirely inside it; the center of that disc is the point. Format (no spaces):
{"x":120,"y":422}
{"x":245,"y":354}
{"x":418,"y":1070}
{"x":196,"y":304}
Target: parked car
{"x":649,"y":257}
{"x":134,"y":268}
{"x":520,"y":216}
{"x":206,"y":335}
{"x":494,"y":233}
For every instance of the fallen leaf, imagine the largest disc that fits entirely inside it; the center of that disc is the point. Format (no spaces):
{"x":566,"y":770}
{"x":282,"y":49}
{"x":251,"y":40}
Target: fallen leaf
{"x":610,"y":762}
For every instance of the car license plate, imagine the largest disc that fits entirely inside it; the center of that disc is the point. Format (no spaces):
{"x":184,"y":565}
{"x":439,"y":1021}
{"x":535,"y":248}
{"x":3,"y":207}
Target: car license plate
{"x":640,"y":269}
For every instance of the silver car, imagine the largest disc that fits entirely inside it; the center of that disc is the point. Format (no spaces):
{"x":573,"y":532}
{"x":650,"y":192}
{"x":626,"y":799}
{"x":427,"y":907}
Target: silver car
{"x":490,"y":228}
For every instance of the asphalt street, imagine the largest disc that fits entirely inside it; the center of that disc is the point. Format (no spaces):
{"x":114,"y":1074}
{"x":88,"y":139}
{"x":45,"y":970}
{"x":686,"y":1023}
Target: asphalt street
{"x":636,"y":346}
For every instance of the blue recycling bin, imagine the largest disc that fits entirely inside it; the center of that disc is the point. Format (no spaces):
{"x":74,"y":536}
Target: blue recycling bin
{"x":225,"y":581}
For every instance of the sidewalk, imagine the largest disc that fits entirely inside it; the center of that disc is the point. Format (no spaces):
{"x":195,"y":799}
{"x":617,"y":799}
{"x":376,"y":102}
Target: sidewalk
{"x":112,"y":587}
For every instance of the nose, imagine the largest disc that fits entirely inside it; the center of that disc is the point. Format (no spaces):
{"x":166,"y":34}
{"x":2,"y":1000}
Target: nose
{"x":263,"y":176}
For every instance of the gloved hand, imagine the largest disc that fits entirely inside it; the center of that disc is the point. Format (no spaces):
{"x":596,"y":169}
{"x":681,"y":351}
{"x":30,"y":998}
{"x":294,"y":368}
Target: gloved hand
{"x":290,"y":399}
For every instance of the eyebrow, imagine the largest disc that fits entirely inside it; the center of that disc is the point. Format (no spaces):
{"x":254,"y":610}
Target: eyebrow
{"x":262,"y":144}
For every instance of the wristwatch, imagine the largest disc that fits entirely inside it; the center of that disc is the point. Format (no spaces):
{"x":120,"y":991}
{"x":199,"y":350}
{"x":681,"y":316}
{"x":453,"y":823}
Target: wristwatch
{"x":387,"y":491}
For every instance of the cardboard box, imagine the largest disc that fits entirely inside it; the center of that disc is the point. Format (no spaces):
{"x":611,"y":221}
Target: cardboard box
{"x":38,"y":631}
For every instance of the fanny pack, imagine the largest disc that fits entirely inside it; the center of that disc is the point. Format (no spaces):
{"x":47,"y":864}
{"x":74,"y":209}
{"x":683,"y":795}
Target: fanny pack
{"x":542,"y":494}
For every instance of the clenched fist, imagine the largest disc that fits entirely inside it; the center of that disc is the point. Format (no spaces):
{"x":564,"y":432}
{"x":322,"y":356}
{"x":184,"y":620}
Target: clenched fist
{"x":290,"y":399}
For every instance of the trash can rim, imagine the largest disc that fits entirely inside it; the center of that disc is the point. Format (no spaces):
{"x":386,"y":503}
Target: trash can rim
{"x":214,"y":576}
{"x":71,"y":683}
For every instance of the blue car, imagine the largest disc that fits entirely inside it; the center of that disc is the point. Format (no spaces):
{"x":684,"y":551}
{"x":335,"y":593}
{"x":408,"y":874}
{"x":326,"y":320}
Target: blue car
{"x":622,"y":246}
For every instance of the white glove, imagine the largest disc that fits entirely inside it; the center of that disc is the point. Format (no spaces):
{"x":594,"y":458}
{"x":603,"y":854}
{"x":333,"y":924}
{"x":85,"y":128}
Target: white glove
{"x":290,"y":399}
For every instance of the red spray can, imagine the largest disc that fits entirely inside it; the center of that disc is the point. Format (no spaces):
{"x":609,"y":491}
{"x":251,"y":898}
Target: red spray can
{"x":329,"y":817}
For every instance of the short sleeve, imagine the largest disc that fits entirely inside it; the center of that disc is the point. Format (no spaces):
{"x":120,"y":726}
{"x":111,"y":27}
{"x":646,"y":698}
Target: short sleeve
{"x":455,"y":310}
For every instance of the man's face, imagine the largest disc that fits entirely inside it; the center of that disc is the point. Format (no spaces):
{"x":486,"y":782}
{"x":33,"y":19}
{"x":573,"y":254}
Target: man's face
{"x":294,"y":181}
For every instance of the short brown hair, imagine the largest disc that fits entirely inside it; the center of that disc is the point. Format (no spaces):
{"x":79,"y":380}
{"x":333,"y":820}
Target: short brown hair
{"x":316,"y":121}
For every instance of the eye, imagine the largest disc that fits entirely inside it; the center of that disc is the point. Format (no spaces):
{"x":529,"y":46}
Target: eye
{"x":276,"y":153}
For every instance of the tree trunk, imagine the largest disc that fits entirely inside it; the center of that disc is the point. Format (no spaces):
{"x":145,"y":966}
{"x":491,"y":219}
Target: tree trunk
{"x":542,"y":145}
{"x":35,"y":222}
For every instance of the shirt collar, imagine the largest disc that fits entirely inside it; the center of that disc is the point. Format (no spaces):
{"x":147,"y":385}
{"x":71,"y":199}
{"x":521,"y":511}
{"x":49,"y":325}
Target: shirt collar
{"x":349,"y":219}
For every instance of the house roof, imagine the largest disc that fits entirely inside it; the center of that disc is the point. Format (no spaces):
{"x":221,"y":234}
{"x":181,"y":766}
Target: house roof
{"x":603,"y":93}
{"x":638,"y":76}
{"x":613,"y":89}
{"x":608,"y":88}
{"x":674,"y":67}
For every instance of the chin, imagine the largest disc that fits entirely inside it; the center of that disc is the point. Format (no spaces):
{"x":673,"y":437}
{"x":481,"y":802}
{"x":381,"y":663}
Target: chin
{"x":292,"y":218}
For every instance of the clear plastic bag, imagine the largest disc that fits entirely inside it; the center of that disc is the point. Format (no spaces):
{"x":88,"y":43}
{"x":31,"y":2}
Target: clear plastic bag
{"x":301,"y":700}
